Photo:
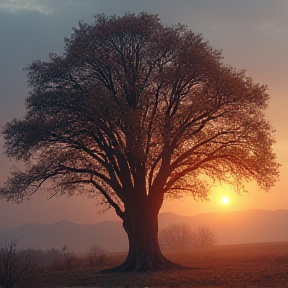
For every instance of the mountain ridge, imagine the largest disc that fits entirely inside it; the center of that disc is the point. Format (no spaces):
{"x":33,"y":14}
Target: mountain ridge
{"x":236,"y":227}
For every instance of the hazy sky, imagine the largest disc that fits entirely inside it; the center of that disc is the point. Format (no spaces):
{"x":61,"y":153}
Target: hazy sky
{"x":251,"y":33}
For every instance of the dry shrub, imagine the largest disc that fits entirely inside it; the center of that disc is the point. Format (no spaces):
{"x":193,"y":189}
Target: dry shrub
{"x":65,"y":260}
{"x":16,"y":267}
{"x":180,"y":237}
{"x":96,"y":257}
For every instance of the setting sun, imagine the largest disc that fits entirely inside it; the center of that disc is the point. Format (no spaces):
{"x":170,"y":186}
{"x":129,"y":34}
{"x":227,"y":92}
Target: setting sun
{"x":225,"y":200}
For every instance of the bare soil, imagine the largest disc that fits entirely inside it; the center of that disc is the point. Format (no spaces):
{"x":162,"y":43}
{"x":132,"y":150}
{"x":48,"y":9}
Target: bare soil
{"x":250,"y":266}
{"x":205,"y":274}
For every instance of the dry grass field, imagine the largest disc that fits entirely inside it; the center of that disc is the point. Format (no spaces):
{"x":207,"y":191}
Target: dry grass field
{"x":251,"y":265}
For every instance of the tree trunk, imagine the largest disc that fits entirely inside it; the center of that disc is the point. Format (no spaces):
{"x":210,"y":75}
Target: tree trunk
{"x":144,"y":253}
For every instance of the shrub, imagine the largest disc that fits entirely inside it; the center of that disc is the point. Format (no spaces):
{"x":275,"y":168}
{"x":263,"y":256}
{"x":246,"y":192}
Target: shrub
{"x":97,"y":256}
{"x":16,"y":267}
{"x":180,"y":237}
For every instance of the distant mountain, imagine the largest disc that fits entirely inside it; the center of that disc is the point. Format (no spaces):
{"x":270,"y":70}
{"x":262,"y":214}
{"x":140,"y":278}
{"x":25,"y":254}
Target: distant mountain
{"x":249,"y":226}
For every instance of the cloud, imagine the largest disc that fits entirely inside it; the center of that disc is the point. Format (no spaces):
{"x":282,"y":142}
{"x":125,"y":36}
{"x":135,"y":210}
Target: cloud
{"x":42,"y":6}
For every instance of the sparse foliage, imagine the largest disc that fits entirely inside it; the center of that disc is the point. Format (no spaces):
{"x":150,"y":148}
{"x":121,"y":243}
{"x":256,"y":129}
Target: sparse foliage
{"x":16,"y":267}
{"x":133,"y":113}
{"x":181,"y":237}
{"x":70,"y":258}
{"x":65,"y":260}
{"x":204,"y":237}
{"x":176,"y":237}
{"x":96,"y":256}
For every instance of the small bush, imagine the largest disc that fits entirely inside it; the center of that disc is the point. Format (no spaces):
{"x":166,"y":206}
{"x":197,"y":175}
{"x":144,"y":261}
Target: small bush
{"x":97,"y":256}
{"x":180,"y":237}
{"x":16,"y":267}
{"x":64,"y":260}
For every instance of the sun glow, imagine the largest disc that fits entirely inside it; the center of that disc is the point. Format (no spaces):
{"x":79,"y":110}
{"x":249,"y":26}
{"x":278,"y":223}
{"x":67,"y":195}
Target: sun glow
{"x":225,"y":200}
{"x":224,"y":197}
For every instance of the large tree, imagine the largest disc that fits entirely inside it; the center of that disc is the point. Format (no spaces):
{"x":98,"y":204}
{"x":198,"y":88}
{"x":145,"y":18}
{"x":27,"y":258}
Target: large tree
{"x":135,"y":112}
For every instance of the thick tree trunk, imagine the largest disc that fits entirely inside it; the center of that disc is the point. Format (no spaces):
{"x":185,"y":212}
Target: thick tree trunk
{"x":144,"y":251}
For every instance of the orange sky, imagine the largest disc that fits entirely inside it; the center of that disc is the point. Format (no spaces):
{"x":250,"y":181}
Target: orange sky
{"x":252,"y":35}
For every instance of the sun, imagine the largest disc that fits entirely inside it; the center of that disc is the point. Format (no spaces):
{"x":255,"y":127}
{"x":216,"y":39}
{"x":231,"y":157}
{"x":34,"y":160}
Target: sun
{"x":225,"y":200}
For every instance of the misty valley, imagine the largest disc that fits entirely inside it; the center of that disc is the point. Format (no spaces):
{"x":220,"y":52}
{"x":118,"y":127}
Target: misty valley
{"x":250,"y":248}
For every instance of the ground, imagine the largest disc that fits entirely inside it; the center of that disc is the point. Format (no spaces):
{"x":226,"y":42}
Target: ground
{"x":245,"y":266}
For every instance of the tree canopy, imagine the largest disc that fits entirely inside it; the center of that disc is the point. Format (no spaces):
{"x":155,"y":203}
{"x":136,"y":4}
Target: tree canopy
{"x":135,"y":112}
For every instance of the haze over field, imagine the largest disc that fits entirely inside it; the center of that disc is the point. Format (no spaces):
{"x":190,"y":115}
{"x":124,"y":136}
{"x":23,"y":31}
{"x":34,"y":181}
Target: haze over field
{"x":252,"y":226}
{"x":251,"y":33}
